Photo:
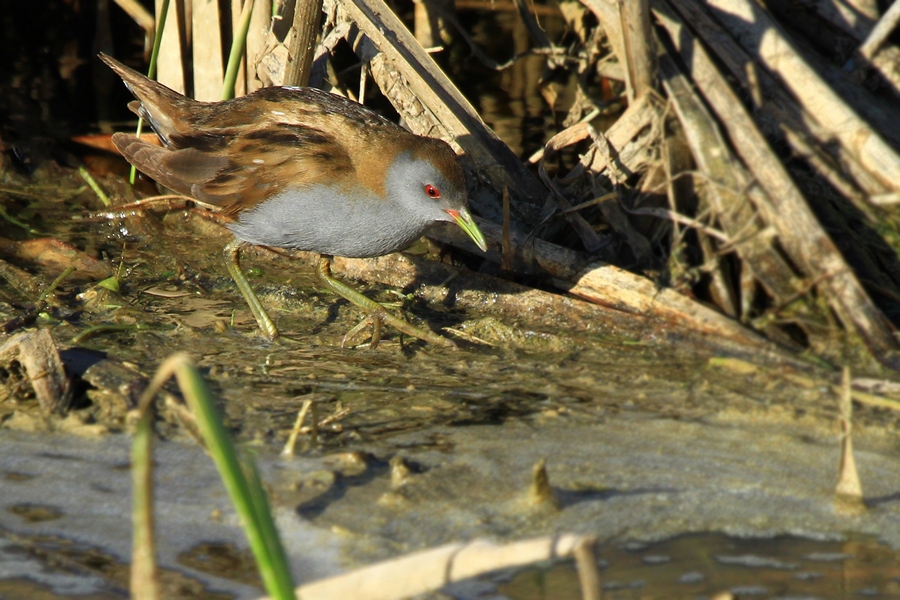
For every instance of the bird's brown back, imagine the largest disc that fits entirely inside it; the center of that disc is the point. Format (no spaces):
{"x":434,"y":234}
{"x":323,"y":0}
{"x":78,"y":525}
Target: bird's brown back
{"x":280,"y":135}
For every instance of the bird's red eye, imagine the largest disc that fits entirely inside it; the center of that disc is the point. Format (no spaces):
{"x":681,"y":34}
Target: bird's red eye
{"x":432,"y":192}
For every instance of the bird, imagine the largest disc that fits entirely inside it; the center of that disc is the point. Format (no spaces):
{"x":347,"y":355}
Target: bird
{"x":303,"y":169}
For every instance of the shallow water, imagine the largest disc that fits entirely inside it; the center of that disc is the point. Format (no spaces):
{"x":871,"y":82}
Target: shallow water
{"x":700,"y":566}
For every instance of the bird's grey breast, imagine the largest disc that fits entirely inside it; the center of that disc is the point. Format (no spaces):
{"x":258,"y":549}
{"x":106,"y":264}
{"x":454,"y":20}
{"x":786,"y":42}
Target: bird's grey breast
{"x":330,"y":220}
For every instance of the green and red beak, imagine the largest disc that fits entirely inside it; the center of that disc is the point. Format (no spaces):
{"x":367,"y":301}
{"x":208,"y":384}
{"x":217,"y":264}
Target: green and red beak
{"x":464,"y":219}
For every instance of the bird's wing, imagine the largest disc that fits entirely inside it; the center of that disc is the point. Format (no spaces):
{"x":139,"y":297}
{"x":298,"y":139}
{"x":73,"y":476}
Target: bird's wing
{"x":178,"y":170}
{"x":236,"y":154}
{"x":236,"y":169}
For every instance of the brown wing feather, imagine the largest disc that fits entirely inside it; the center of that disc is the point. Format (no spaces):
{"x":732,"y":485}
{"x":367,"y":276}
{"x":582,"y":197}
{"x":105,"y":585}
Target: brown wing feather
{"x":259,"y":162}
{"x":178,"y":170}
{"x":268,"y":160}
{"x":237,"y":153}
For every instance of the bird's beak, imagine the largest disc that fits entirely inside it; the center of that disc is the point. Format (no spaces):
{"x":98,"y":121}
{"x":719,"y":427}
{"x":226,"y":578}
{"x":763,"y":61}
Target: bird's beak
{"x":464,"y":219}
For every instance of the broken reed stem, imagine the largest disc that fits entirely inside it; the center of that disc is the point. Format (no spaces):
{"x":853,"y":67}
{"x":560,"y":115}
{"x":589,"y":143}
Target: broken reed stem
{"x":302,"y":46}
{"x":634,"y":16}
{"x":298,"y":425}
{"x":144,"y":578}
{"x":540,"y":493}
{"x":314,"y":426}
{"x":437,"y":567}
{"x":848,"y":492}
{"x":881,"y":31}
{"x":588,"y":575}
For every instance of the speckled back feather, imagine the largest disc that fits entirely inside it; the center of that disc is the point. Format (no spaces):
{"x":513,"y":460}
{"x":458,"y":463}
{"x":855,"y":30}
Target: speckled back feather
{"x":303,"y":136}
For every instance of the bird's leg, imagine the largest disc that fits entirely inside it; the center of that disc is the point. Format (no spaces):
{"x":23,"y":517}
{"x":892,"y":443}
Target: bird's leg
{"x":232,"y":254}
{"x":375,"y":312}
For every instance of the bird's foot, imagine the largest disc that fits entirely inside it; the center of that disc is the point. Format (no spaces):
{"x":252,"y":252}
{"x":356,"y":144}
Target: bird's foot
{"x":376,"y":314}
{"x":375,"y":319}
{"x":380,"y":316}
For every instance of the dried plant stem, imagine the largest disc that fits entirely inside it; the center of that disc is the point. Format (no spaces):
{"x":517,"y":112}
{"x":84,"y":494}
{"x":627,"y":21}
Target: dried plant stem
{"x":588,"y":575}
{"x":879,"y":34}
{"x":640,"y":55}
{"x":785,"y":208}
{"x":849,"y":494}
{"x":779,"y":111}
{"x":432,"y":569}
{"x":295,"y":431}
{"x":303,"y":41}
{"x":755,"y":28}
{"x":730,"y":196}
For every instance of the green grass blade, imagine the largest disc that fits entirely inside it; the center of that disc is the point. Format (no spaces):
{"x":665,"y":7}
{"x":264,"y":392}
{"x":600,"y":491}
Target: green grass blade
{"x":237,"y":51}
{"x":239,"y":476}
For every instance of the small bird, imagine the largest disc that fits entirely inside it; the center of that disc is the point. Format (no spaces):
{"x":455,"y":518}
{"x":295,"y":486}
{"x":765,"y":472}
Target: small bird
{"x":303,"y":169}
